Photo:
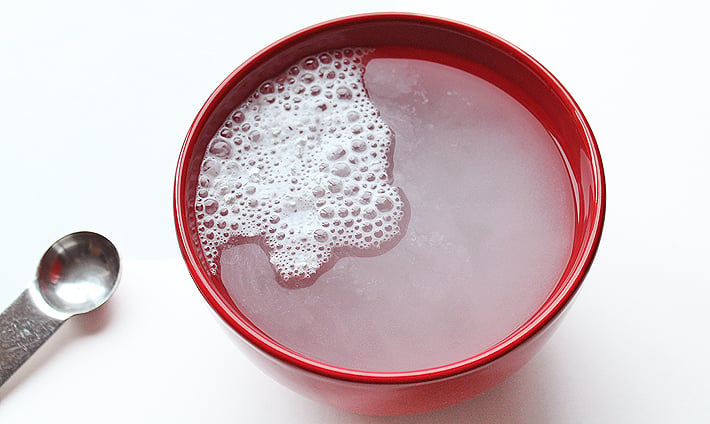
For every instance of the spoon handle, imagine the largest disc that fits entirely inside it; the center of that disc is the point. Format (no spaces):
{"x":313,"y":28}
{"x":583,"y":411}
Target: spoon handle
{"x":23,"y":329}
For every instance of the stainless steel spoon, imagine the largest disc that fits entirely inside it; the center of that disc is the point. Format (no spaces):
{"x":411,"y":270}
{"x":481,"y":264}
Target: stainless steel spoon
{"x":77,"y":274}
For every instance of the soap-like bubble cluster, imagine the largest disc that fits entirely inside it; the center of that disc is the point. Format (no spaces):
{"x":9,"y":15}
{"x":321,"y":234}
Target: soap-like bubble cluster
{"x":303,"y":164}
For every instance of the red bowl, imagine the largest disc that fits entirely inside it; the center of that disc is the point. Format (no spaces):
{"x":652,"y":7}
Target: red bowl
{"x":508,"y":67}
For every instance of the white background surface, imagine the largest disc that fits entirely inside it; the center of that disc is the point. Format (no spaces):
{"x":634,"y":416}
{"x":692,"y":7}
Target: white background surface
{"x":96,"y":98}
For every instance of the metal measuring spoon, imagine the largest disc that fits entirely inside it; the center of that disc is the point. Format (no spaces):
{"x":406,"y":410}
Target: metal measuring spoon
{"x":77,"y":274}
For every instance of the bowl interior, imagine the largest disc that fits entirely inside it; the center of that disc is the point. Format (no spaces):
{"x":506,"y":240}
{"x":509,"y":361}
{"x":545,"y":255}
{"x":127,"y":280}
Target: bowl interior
{"x":456,"y":45}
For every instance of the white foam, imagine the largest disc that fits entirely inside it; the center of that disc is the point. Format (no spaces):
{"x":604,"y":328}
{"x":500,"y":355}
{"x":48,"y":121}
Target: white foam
{"x":304,"y":166}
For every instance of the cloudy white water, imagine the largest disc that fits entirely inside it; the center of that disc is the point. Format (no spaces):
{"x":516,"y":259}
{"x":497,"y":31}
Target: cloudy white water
{"x":490,"y":231}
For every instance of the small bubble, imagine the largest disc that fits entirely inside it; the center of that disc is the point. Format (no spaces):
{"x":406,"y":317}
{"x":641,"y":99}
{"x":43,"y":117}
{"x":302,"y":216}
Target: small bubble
{"x":344,"y":93}
{"x":220,"y":148}
{"x":238,"y":117}
{"x":320,"y":235}
{"x":369,"y":213}
{"x":211,"y":167}
{"x":358,"y":145}
{"x":336,"y":153}
{"x":267,"y":88}
{"x":255,"y":136}
{"x":306,"y":78}
{"x":383,"y":204}
{"x":341,"y":169}
{"x":327,"y":212}
{"x":335,"y":185}
{"x":351,"y":190}
{"x":318,"y":191}
{"x":310,"y":63}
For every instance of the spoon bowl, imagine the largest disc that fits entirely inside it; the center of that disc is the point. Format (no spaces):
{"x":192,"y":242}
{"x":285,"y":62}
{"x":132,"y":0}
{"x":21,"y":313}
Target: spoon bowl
{"x":78,"y":273}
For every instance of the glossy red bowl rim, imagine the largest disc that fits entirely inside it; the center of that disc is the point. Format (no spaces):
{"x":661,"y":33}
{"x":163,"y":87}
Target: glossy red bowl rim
{"x":564,"y":292}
